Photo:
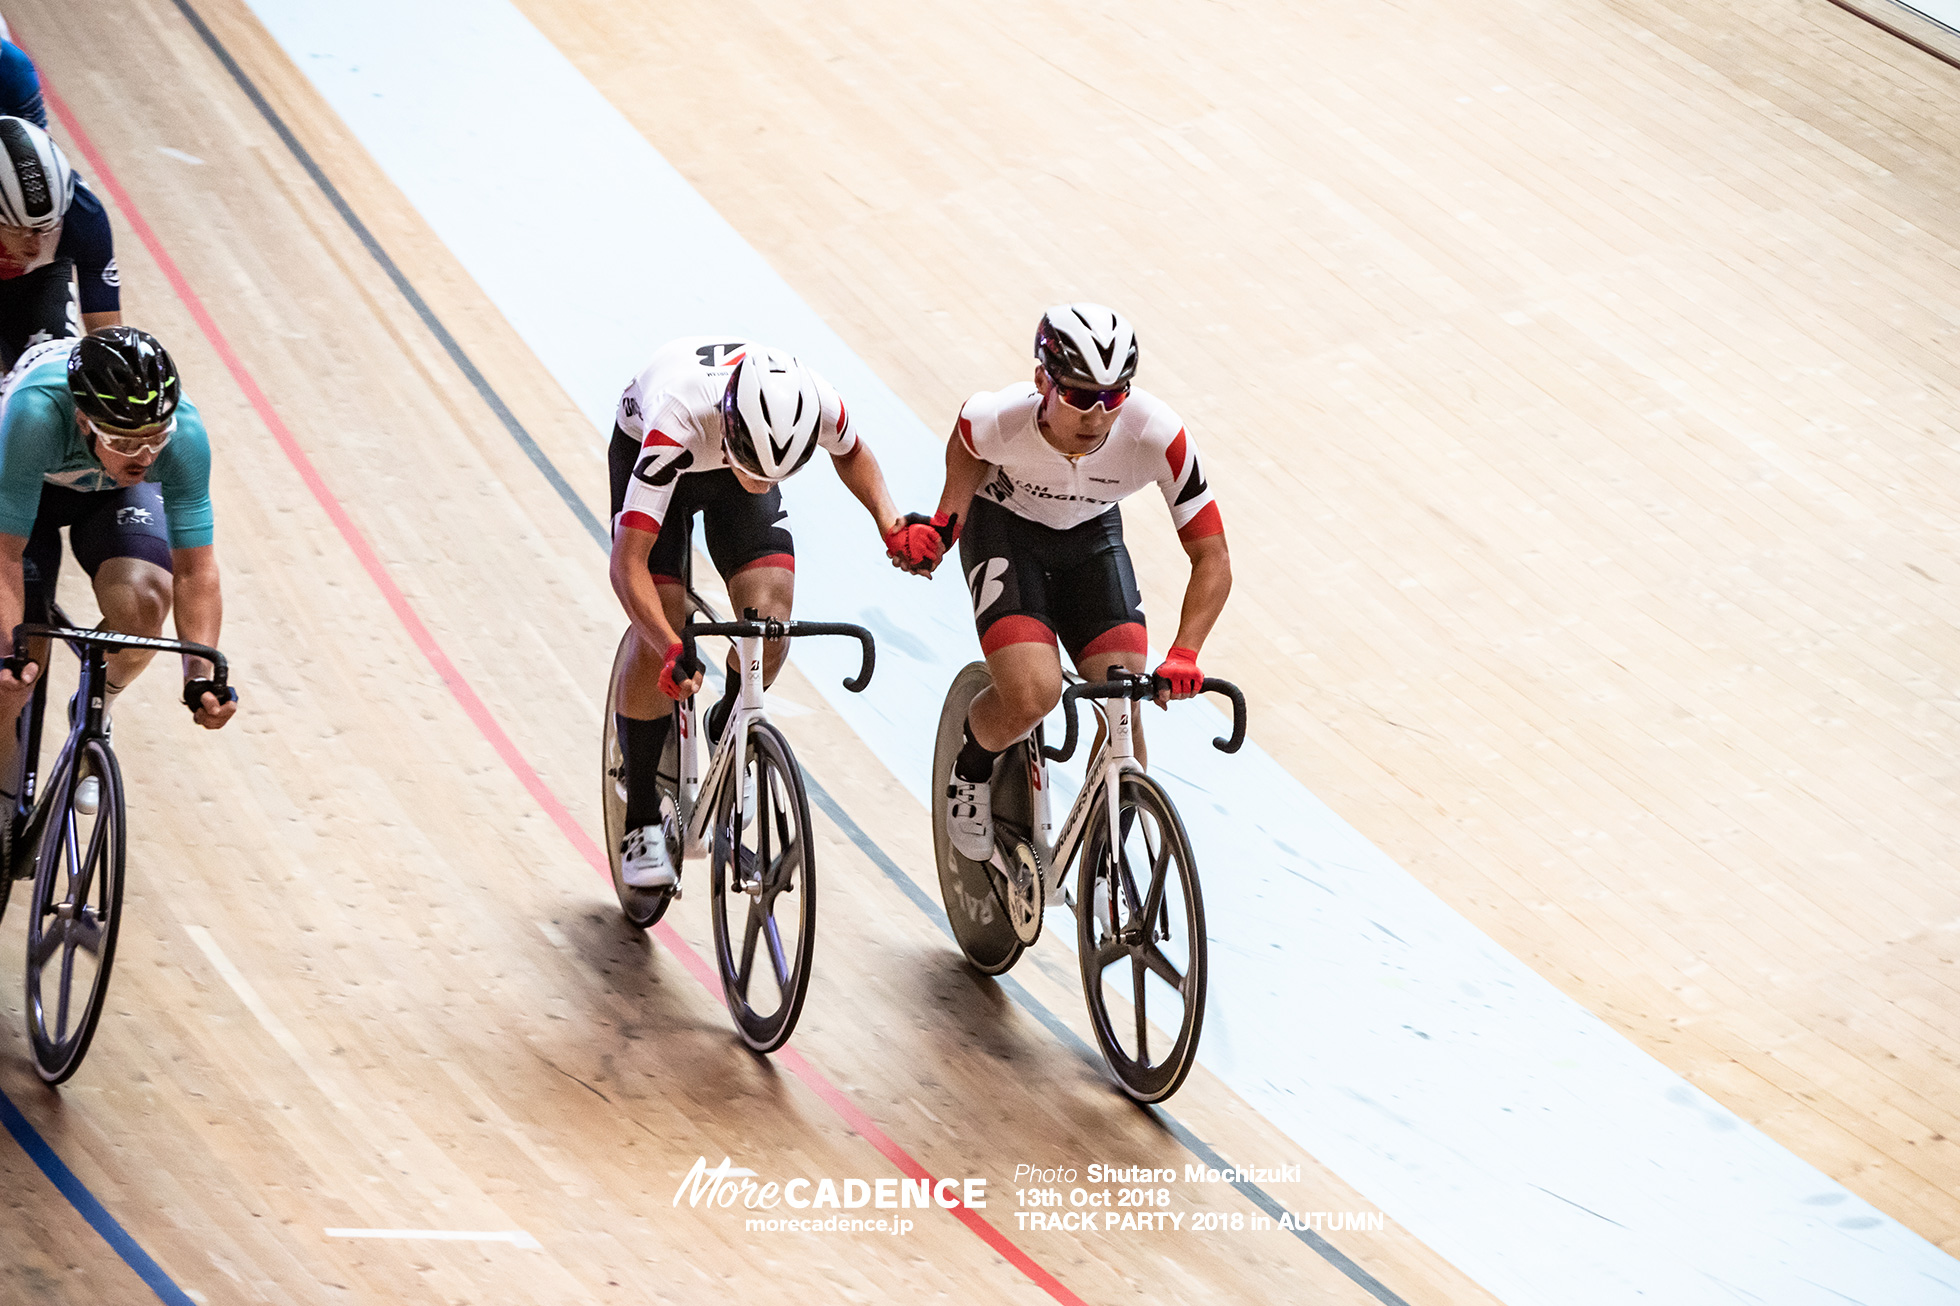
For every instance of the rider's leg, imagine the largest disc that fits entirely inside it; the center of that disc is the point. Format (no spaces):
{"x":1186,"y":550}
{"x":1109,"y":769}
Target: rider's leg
{"x":749,"y":539}
{"x":1100,"y":615}
{"x":1027,"y":683}
{"x":771,"y":591}
{"x":1096,"y":667}
{"x":644,"y":714}
{"x":134,"y":595}
{"x":122,"y":539}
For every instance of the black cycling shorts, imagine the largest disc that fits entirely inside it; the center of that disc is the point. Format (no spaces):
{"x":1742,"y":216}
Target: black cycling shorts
{"x":37,"y":306}
{"x":1032,"y":583}
{"x":744,"y":530}
{"x":102,"y":524}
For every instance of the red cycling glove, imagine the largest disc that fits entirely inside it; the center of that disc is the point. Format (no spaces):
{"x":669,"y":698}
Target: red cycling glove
{"x":676,"y":668}
{"x":921,"y":541}
{"x":1181,"y":670}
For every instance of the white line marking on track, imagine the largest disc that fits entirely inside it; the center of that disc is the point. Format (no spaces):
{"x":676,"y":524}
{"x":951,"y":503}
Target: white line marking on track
{"x":180,"y":156}
{"x":515,"y":1237}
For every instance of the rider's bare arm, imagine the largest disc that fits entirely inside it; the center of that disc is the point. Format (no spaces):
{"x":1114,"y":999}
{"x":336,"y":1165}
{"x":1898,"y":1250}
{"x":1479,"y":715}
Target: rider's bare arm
{"x":13,"y":603}
{"x":1206,"y":591}
{"x":964,"y":476}
{"x":199,"y":605}
{"x":633,"y":583}
{"x":96,"y":321}
{"x":862,"y":476}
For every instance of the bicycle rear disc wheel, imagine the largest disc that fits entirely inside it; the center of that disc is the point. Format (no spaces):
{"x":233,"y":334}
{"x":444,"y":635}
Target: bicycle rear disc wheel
{"x":75,"y":911}
{"x":1140,"y":935}
{"x":969,"y":889}
{"x":765,"y":893}
{"x":642,"y":907}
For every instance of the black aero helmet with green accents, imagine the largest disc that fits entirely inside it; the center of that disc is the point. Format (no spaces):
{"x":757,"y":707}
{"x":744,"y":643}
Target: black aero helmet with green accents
{"x":122,"y":377}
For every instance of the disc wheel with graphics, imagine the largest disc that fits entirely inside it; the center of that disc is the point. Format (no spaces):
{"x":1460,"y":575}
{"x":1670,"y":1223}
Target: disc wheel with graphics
{"x":969,"y":889}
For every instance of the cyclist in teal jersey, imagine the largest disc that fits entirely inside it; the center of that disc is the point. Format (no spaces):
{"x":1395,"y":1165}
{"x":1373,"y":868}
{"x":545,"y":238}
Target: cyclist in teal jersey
{"x":95,"y":436}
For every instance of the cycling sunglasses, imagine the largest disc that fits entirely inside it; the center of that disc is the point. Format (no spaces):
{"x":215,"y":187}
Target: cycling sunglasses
{"x":131,"y":444}
{"x":1082,"y":398}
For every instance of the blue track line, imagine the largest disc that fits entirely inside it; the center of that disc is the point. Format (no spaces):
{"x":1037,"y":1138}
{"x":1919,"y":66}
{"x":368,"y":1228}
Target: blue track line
{"x":86,"y":1204}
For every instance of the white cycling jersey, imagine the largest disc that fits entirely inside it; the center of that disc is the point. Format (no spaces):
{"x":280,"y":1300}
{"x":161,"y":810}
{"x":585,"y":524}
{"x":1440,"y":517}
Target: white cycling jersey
{"x":1035,"y":480}
{"x":673,"y":409}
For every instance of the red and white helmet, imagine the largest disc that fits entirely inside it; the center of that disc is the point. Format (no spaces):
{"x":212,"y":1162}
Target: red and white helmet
{"x":770,"y":413}
{"x":1086,"y":345}
{"x":36,"y":183}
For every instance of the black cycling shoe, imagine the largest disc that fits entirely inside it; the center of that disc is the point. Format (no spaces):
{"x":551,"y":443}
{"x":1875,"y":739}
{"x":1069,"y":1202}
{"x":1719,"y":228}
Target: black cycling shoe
{"x":718,"y":719}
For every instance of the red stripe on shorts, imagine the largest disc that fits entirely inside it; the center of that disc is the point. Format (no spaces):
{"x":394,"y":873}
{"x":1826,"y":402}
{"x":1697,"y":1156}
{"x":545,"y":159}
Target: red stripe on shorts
{"x":1126,"y":638}
{"x":787,"y":561}
{"x":1016,"y":630}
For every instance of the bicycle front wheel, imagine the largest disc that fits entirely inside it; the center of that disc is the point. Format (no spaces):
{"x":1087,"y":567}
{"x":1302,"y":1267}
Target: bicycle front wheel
{"x":75,"y":911}
{"x":1140,"y":934}
{"x":765,"y":891}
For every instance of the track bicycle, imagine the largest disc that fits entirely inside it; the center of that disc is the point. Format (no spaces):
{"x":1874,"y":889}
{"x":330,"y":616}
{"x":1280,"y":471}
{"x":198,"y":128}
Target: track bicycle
{"x":73,"y":851}
{"x":750,"y":814}
{"x":1138,"y":907}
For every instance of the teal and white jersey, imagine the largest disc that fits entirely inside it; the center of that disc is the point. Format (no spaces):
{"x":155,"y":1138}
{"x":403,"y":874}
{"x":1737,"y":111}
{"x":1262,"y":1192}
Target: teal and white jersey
{"x":40,"y":444}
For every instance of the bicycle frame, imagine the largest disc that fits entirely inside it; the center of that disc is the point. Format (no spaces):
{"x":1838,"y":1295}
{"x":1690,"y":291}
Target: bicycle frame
{"x":1101,"y":782}
{"x":728,"y":759}
{"x":698,"y":792}
{"x":92,"y":648}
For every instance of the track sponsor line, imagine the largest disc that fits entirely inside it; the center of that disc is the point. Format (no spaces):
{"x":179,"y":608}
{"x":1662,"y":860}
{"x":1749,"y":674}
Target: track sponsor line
{"x":473,"y":706}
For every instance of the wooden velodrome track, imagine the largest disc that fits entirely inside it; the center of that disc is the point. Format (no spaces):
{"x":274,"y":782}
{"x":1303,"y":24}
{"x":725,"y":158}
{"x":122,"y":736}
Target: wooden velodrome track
{"x":1577,"y":381}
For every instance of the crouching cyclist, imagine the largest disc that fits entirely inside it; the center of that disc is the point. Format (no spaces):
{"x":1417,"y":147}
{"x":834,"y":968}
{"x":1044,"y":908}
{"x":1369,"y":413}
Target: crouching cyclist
{"x":712,"y":426}
{"x":96,"y":436}
{"x":1036,"y":471}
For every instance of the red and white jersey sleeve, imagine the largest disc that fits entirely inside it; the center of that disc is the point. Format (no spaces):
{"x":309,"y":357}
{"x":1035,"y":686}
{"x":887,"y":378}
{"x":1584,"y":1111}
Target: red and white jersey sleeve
{"x":673,"y":408}
{"x":1032,"y":479}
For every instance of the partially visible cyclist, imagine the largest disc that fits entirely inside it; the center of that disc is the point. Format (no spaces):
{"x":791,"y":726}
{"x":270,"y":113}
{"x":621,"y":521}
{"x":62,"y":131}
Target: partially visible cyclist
{"x":86,"y":239}
{"x":712,"y":426}
{"x":96,"y":436}
{"x":1036,"y":471}
{"x":39,"y":247}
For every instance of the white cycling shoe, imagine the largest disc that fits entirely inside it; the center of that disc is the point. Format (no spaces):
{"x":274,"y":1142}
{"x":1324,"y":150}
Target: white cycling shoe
{"x":970,"y":818}
{"x":643,"y":859}
{"x":88,"y":795}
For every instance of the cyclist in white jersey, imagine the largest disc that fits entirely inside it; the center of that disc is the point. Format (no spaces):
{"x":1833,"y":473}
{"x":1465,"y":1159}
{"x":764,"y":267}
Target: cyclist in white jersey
{"x":711,"y":426}
{"x":1036,"y":471}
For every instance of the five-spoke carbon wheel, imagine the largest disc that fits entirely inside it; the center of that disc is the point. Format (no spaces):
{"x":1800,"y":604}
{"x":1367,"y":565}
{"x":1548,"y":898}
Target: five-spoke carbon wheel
{"x":765,"y":891}
{"x":75,"y":909}
{"x":1140,"y":935}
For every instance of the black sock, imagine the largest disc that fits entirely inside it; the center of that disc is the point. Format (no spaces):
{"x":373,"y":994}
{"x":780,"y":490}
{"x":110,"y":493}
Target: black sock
{"x":975,"y":764}
{"x":718,"y":714}
{"x":642,"y":742}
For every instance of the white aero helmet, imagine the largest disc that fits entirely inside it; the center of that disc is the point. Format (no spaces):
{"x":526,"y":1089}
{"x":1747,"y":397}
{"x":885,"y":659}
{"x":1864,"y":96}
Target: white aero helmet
{"x":1087,"y":346}
{"x":770,"y":413}
{"x":36,"y":183}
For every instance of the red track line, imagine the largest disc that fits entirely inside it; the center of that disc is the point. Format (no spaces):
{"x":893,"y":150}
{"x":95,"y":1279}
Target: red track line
{"x":474,"y":708}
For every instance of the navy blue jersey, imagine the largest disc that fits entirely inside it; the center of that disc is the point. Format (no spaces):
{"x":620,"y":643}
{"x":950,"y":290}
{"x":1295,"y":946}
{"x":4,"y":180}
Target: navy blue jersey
{"x":85,"y":234}
{"x":20,"y":86}
{"x":85,"y":237}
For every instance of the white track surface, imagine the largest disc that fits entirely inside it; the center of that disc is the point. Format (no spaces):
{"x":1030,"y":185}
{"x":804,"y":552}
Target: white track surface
{"x":1499,"y":1121}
